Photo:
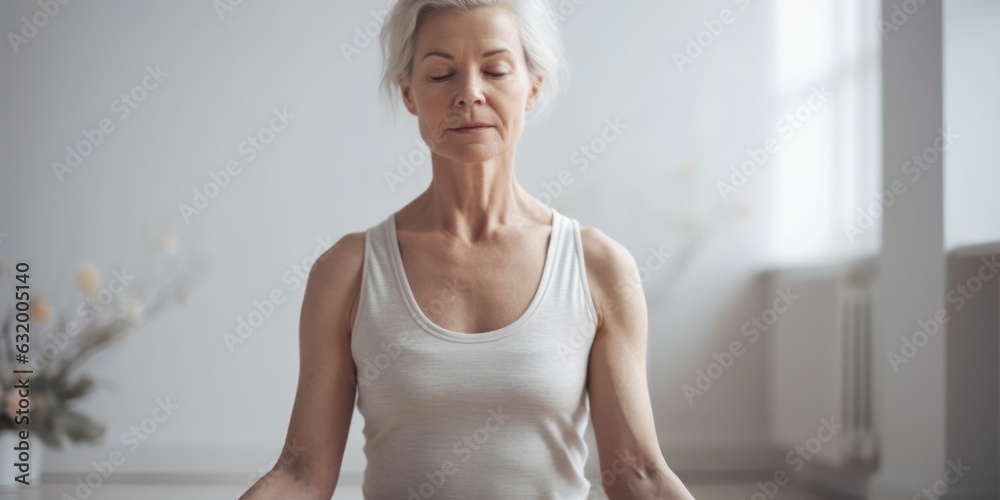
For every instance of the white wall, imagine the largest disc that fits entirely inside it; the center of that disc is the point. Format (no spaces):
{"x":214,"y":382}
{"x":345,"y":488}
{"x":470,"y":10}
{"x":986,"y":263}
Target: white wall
{"x":971,"y":77}
{"x":323,"y":177}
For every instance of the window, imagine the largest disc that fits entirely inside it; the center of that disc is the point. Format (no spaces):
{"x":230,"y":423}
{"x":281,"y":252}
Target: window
{"x":829,"y":168}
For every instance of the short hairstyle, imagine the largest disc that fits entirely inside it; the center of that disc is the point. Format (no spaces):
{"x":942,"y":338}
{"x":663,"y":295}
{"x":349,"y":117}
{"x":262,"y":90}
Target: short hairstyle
{"x":536,"y":22}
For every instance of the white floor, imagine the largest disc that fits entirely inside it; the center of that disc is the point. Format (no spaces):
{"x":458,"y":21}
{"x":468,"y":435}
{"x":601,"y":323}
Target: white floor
{"x":163,"y":492}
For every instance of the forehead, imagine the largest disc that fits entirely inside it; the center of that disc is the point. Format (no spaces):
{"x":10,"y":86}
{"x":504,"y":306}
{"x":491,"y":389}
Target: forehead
{"x":482,"y":28}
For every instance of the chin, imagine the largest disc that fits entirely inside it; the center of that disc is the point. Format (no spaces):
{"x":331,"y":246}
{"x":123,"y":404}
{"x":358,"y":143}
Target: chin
{"x":474,"y":153}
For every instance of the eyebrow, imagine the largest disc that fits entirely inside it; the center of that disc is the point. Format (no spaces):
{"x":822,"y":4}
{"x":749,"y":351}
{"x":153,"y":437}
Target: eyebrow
{"x":451,"y":57}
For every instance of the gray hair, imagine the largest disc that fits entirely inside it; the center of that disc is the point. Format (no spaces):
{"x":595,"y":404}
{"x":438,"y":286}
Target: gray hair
{"x":536,"y":21}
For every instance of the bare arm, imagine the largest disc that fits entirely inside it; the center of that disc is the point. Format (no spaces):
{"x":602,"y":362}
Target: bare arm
{"x":619,"y":397}
{"x":309,"y":463}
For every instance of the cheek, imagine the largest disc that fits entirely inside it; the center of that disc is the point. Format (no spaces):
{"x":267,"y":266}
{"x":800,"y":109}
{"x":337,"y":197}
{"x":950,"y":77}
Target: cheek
{"x":513,"y":117}
{"x":430,"y":102}
{"x":430,"y":114}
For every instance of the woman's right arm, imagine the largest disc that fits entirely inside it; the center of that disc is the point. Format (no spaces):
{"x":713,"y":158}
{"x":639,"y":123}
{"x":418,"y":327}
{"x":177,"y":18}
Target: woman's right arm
{"x":309,"y":464}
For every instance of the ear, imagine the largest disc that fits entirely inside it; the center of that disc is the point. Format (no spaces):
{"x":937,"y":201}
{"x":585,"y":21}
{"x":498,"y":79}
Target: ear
{"x":536,"y":86}
{"x":405,"y":90}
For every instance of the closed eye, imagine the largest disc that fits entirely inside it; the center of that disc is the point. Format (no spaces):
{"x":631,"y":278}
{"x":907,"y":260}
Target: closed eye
{"x":445,"y":77}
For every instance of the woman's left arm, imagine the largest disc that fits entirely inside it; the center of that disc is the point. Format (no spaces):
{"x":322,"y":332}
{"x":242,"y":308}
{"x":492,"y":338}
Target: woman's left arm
{"x":632,"y":465}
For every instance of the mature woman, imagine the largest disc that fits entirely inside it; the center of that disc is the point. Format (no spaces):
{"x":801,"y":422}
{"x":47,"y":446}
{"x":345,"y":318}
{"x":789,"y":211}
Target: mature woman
{"x":474,"y":323}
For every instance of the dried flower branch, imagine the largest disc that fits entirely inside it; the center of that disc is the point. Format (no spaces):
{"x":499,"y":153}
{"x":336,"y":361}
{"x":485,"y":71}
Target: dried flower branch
{"x":58,"y":382}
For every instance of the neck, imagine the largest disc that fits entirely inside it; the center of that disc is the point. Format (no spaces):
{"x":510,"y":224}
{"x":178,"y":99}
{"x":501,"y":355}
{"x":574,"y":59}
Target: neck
{"x":470,"y":201}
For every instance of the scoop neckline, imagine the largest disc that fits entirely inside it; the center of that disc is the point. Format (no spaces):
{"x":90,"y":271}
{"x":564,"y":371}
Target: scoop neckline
{"x":439,"y":331}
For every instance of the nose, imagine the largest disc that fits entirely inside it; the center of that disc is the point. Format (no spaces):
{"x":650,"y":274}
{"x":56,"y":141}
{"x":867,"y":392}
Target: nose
{"x":471,"y":91}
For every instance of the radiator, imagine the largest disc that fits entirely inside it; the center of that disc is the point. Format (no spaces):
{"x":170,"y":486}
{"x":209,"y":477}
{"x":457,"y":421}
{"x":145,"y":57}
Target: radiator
{"x":820,"y":364}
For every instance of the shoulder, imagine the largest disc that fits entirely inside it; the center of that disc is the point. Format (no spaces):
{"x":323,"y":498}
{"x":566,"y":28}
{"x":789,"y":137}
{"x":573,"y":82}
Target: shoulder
{"x":335,"y":277}
{"x":612,"y":274}
{"x":347,"y":252}
{"x":608,"y":260}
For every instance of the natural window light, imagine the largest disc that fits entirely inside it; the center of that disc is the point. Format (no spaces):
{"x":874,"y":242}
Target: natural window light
{"x":829,"y":166}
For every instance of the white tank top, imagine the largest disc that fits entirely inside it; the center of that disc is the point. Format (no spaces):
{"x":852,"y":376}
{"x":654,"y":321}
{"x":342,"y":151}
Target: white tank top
{"x":493,"y":415}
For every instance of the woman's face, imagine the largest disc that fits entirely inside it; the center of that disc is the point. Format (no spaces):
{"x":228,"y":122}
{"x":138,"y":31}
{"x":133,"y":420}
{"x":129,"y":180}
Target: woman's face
{"x":470,"y":67}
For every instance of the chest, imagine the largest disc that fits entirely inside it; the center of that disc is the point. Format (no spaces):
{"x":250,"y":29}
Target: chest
{"x":473,"y":289}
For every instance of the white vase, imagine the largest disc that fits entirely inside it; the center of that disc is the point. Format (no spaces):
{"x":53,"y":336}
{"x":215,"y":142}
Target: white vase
{"x":9,"y":457}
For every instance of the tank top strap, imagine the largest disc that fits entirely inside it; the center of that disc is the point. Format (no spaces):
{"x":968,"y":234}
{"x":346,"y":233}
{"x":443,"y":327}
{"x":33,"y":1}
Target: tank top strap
{"x":569,"y":283}
{"x":378,"y":296}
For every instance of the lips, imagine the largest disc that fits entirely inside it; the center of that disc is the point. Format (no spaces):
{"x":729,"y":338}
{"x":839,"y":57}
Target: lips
{"x":472,"y":125}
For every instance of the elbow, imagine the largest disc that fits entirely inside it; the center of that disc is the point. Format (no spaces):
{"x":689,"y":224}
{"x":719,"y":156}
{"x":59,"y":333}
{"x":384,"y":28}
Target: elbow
{"x":288,"y":483}
{"x":313,"y":484}
{"x":648,"y":481}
